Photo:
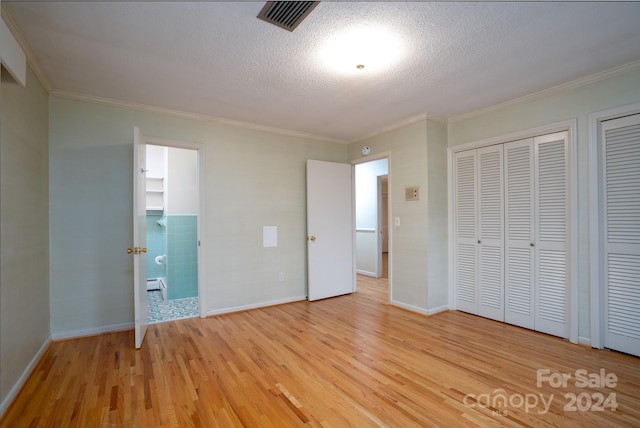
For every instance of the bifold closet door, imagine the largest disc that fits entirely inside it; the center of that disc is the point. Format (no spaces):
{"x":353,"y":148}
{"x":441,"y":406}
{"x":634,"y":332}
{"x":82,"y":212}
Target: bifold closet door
{"x":519,"y":233}
{"x":620,"y":168}
{"x":511,"y":229}
{"x":465,"y":230}
{"x":490,"y":233}
{"x":551,"y":234}
{"x":479,"y":227}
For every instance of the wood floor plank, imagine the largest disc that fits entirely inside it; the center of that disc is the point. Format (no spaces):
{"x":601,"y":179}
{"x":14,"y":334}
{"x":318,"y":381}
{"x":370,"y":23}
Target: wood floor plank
{"x":353,"y":360}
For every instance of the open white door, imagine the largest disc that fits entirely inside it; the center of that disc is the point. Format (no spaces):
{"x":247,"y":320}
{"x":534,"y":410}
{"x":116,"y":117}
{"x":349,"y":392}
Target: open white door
{"x":330,"y":243}
{"x":139,"y":236}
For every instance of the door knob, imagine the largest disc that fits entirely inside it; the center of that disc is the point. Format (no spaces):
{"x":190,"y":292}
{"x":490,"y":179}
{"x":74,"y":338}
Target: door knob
{"x":131,"y":251}
{"x":312,"y":238}
{"x":143,"y":249}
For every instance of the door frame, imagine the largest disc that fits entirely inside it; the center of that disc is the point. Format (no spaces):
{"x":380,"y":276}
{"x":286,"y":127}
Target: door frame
{"x":382,"y":155}
{"x":596,"y":243}
{"x":571,"y":126}
{"x":379,"y":181}
{"x":200,"y":154}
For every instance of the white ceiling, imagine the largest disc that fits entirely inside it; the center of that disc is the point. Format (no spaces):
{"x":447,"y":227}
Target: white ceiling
{"x":219,"y":60}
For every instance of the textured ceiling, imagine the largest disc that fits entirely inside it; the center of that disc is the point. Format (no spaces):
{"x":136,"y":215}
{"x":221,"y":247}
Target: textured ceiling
{"x":218,"y":59}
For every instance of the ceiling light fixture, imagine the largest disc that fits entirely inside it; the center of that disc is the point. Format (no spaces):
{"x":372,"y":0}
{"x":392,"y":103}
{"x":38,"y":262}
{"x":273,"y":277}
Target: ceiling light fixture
{"x":347,"y":52}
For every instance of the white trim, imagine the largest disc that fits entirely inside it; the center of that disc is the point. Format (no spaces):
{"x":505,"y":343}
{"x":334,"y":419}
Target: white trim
{"x":12,"y":56}
{"x":438,"y":309}
{"x":419,"y":310}
{"x":565,"y":125}
{"x":366,"y":273}
{"x":200,"y":215}
{"x":410,"y":308}
{"x":573,"y":247}
{"x":400,"y":124}
{"x":571,"y":127}
{"x":95,"y":331}
{"x":186,"y":115}
{"x":450,"y":239}
{"x":373,"y":157}
{"x":552,"y":91}
{"x":595,"y":242}
{"x":13,"y":392}
{"x":584,"y":341}
{"x":31,"y":58}
{"x":377,"y":156}
{"x":354,"y":255}
{"x":255,"y":306}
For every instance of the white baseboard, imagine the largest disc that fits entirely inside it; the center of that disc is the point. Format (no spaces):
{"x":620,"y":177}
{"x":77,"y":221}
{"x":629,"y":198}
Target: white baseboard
{"x":255,"y":306}
{"x":584,"y":340}
{"x":74,"y":334}
{"x":439,"y":309}
{"x":418,"y":309}
{"x":23,"y":378}
{"x":366,"y":273}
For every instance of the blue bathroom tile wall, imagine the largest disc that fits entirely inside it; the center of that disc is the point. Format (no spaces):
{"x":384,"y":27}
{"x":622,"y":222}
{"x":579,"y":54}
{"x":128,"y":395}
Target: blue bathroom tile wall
{"x":182,"y":265}
{"x":156,"y":246}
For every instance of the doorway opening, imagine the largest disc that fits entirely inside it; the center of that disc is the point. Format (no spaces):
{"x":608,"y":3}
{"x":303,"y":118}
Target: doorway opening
{"x":372,"y":225}
{"x":172,"y":196}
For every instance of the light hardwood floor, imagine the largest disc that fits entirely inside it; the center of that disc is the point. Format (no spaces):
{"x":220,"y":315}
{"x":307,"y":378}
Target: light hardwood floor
{"x":347,"y":361}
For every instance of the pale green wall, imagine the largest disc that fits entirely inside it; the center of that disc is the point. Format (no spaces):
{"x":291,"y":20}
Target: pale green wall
{"x":576,"y":104}
{"x":418,"y":262}
{"x":24,"y":242}
{"x":407,"y":168}
{"x":437,"y":220}
{"x":253,"y":178}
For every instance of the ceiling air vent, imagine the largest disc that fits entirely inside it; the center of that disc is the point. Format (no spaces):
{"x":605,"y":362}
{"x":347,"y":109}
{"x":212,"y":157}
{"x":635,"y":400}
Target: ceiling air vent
{"x":286,"y":14}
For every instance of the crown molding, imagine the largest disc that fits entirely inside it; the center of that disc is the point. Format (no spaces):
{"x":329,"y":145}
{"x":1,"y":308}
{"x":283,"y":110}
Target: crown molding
{"x":31,"y":58}
{"x":553,"y":90}
{"x":187,"y":115}
{"x":419,"y":118}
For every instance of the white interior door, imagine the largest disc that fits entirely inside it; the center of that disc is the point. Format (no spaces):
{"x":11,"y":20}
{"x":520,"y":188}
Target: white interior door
{"x":490,"y":236}
{"x":330,"y":229}
{"x":139,"y":237}
{"x":621,"y":233}
{"x":519,"y":241}
{"x":552,"y":231}
{"x":465,"y":231}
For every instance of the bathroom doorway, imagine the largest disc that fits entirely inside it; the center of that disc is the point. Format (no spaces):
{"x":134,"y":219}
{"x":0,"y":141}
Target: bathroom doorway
{"x":173,"y":230}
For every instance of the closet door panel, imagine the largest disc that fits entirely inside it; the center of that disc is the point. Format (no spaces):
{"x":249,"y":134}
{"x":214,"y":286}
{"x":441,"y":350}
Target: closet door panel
{"x":621,"y":200}
{"x":465,"y":230}
{"x":519,"y":234}
{"x":551,"y":203}
{"x":491,"y":230}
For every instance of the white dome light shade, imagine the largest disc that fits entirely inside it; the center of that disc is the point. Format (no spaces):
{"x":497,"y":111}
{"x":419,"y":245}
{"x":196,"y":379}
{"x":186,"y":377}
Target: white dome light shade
{"x":374,"y":48}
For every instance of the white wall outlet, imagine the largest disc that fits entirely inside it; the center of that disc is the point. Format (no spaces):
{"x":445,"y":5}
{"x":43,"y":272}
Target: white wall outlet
{"x":397,"y":221}
{"x":281,"y":276}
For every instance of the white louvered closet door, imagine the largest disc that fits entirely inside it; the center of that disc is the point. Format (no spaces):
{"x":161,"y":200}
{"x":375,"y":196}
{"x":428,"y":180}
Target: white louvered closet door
{"x":519,"y":233}
{"x":551,"y":240}
{"x":465,"y":231}
{"x":490,"y":233}
{"x":621,"y":199}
